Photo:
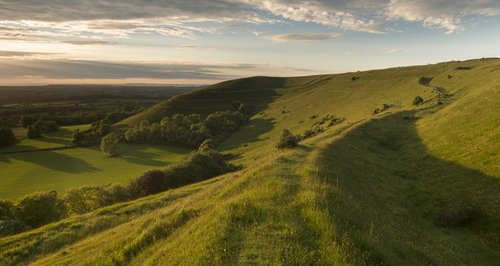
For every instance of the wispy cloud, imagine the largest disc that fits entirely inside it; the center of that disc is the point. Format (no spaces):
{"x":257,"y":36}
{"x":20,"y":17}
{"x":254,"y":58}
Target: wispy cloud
{"x":88,"y":42}
{"x":62,"y":69}
{"x":24,"y":55}
{"x":179,"y":17}
{"x":307,"y":37}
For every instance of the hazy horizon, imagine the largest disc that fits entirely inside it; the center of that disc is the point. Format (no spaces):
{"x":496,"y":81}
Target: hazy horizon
{"x":191,"y":42}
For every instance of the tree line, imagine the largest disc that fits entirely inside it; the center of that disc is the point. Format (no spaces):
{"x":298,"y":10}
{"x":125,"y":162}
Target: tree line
{"x":41,"y":208}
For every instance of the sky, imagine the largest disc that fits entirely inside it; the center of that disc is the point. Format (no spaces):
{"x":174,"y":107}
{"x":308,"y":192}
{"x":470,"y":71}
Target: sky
{"x":204,"y":42}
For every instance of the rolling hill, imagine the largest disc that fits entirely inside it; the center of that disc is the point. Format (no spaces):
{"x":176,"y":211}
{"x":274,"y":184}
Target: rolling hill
{"x":405,"y":185}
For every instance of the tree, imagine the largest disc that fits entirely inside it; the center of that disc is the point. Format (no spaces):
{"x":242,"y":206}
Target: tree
{"x":109,"y":144}
{"x":150,"y":182}
{"x":35,"y":130}
{"x":25,"y":121}
{"x":207,"y":145}
{"x":287,"y":140}
{"x":40,"y":208}
{"x":6,"y":137}
{"x":49,"y":126}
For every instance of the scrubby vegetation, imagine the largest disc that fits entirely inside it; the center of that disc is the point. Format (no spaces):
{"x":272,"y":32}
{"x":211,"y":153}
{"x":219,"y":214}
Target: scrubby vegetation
{"x":287,"y":140}
{"x":6,"y":137}
{"x":189,"y":130}
{"x":41,"y":208}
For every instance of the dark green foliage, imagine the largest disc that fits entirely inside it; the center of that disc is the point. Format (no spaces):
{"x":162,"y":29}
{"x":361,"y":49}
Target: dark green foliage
{"x":109,"y":144}
{"x":101,"y":127}
{"x":6,"y":137}
{"x":88,"y":198}
{"x":6,"y":210}
{"x":188,"y":130}
{"x":425,"y":81}
{"x":114,"y":117}
{"x":207,"y":145}
{"x":287,"y":140}
{"x":40,"y":208}
{"x":150,"y":182}
{"x":49,"y":126}
{"x":197,"y":167}
{"x":26,"y":121}
{"x":34,"y":131}
{"x":93,"y":135}
{"x":418,"y":100}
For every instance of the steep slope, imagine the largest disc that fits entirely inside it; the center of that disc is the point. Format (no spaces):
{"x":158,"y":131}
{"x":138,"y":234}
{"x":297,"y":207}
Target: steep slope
{"x":409,"y":185}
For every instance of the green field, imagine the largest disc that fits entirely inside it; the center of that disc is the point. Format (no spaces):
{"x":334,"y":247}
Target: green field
{"x":413,"y":185}
{"x":22,"y":173}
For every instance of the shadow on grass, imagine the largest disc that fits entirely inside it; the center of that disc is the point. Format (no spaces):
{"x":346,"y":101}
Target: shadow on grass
{"x":249,"y":134}
{"x":143,"y":158}
{"x":400,"y":204}
{"x":53,"y":160}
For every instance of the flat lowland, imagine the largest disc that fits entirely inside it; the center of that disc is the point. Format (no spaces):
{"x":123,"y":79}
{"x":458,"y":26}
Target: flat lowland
{"x":27,"y":167}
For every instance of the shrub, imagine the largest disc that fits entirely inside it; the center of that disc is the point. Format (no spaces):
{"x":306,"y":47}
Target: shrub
{"x":150,"y":182}
{"x":6,"y":137}
{"x":10,"y":227}
{"x":84,"y":199}
{"x":34,"y":131}
{"x":287,"y":140}
{"x":207,"y":145}
{"x":109,"y":144}
{"x":6,"y":210}
{"x":418,"y":100}
{"x":88,"y":198}
{"x":25,"y":121}
{"x":40,"y":208}
{"x":197,"y":167}
{"x":49,"y":126}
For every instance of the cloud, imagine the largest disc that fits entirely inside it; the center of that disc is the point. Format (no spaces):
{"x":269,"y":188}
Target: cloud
{"x":62,"y":69}
{"x":23,"y":54}
{"x":32,"y":19}
{"x":88,"y":42}
{"x":307,"y":37}
{"x":445,"y":14}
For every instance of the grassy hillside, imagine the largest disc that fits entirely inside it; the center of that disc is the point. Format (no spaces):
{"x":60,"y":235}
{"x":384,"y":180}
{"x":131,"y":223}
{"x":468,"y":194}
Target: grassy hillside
{"x":410,"y":185}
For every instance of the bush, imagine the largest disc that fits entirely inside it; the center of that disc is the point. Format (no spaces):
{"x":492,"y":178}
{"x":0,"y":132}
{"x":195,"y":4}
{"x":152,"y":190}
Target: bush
{"x":418,"y":100}
{"x":287,"y":140}
{"x":49,"y":126}
{"x":150,"y":182}
{"x":34,"y":131}
{"x":6,"y":210}
{"x":40,"y":208}
{"x":6,"y":137}
{"x":109,"y":144}
{"x":207,"y":145}
{"x":189,"y":130}
{"x":25,"y":121}
{"x":10,"y":227}
{"x":88,"y":198}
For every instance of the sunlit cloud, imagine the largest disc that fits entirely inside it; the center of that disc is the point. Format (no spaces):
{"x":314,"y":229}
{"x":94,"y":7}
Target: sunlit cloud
{"x":307,"y":37}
